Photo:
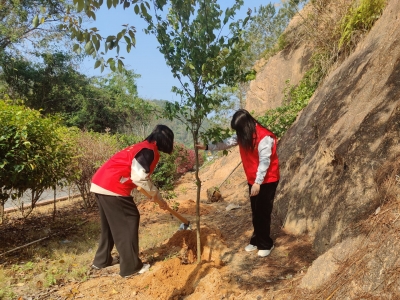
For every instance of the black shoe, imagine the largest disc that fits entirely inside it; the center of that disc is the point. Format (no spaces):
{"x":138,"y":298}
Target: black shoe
{"x":114,"y":262}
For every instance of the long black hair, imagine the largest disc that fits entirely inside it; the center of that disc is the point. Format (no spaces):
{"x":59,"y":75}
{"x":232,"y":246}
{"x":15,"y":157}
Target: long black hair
{"x":164,"y":137}
{"x":245,"y":126}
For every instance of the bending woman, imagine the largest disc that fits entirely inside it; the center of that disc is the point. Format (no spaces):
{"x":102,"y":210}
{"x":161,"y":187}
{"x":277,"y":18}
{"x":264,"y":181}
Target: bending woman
{"x":112,"y":184}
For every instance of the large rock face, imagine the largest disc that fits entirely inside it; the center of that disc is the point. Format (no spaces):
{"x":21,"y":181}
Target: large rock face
{"x":266,"y":91}
{"x":273,"y":76}
{"x":330,"y":156}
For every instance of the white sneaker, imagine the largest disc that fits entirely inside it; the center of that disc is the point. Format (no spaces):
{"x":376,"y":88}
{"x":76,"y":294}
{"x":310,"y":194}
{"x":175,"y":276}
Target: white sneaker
{"x":95,"y":267}
{"x":264,"y":253}
{"x":250,"y":248}
{"x":144,"y":269}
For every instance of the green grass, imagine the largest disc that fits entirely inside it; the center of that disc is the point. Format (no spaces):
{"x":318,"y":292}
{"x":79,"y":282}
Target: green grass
{"x":359,"y":19}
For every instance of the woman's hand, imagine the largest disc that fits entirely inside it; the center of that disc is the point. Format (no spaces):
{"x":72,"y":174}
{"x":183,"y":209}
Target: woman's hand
{"x":157,"y":198}
{"x":200,"y":146}
{"x":163,"y":205}
{"x":255,"y":189}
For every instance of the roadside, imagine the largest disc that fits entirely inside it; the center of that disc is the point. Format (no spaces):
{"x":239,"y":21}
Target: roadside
{"x":47,"y":196}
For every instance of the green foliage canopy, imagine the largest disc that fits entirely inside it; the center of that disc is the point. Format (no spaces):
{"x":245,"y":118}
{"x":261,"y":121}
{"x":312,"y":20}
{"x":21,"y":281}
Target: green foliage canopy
{"x":201,"y":55}
{"x":203,"y":58}
{"x":32,"y":154}
{"x":37,"y":19}
{"x":53,"y":86}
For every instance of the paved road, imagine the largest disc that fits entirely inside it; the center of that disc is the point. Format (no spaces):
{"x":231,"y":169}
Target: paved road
{"x":47,"y":195}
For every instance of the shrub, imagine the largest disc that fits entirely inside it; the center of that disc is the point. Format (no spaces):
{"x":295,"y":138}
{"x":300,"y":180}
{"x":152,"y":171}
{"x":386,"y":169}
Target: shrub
{"x":128,"y":139}
{"x":186,"y":160}
{"x":33,"y":155}
{"x":91,"y":151}
{"x":172,"y":166}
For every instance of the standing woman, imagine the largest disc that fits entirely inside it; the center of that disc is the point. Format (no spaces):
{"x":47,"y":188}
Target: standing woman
{"x":257,"y":147}
{"x":112,"y":184}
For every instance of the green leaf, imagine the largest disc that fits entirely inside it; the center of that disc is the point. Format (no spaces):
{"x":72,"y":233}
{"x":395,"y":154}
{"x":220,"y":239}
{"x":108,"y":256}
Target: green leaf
{"x":110,"y":38}
{"x":35,"y":21}
{"x":91,"y":14}
{"x":143,"y":8}
{"x":109,"y":3}
{"x":112,"y":66}
{"x":136,"y":9}
{"x":88,"y":47}
{"x":81,"y":5}
{"x":120,"y":65}
{"x":97,"y":64}
{"x":96,"y":42}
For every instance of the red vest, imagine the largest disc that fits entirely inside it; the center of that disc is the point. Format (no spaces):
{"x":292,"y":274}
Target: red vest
{"x":250,"y":159}
{"x":115,"y":174}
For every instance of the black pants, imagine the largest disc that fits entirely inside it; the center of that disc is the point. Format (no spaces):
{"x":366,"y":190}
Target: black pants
{"x":261,"y":209}
{"x":120,"y":225}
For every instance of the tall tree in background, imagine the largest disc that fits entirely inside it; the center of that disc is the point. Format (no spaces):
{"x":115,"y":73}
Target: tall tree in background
{"x":50,"y":84}
{"x":19,"y":21}
{"x":43,"y":22}
{"x":53,"y":86}
{"x":203,"y":55}
{"x":136,"y":113}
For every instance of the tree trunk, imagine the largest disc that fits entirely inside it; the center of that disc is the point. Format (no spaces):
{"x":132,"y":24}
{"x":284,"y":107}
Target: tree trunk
{"x":198,"y":183}
{"x":1,"y":211}
{"x":54,"y":204}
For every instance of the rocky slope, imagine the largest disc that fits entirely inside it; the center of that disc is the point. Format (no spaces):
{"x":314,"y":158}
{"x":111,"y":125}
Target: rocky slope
{"x":337,"y":157}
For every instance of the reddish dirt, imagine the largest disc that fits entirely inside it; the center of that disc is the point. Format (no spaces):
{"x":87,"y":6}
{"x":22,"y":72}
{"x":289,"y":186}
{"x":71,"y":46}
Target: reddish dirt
{"x":226,"y":271}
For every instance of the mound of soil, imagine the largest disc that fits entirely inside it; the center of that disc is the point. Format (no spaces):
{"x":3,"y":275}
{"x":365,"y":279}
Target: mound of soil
{"x":188,"y":207}
{"x":169,"y":279}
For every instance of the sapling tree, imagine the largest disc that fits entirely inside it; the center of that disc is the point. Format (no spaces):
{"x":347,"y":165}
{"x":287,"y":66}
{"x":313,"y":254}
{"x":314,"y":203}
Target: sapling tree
{"x":204,"y":53}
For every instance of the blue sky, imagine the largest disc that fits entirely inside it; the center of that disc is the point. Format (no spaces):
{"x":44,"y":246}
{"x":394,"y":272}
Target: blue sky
{"x":156,"y":79}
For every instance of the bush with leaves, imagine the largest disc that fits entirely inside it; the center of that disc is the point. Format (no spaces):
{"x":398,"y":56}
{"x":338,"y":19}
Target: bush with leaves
{"x":91,"y":151}
{"x":33,"y":155}
{"x":172,"y":166}
{"x":185,"y":160}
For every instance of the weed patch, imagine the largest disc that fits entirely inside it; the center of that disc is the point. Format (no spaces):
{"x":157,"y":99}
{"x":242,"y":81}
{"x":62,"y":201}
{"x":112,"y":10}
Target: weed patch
{"x":295,"y":98}
{"x":359,"y":19}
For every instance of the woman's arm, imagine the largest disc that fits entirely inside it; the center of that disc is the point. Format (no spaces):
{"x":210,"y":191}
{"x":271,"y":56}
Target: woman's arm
{"x":225,"y":144}
{"x":140,"y":173}
{"x":264,"y":158}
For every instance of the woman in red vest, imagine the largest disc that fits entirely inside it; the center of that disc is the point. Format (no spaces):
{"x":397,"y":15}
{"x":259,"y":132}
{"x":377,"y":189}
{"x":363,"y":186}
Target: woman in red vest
{"x":257,"y":147}
{"x":112,"y":184}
